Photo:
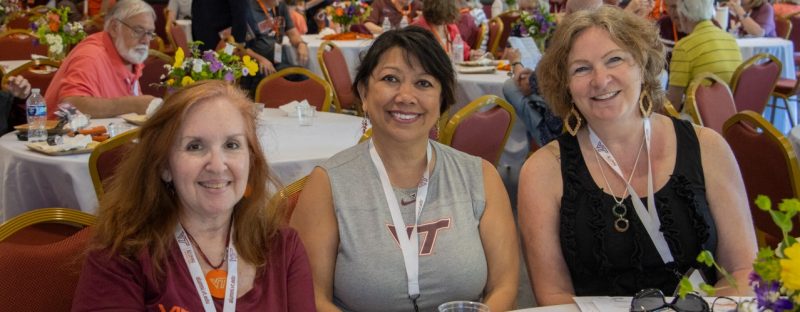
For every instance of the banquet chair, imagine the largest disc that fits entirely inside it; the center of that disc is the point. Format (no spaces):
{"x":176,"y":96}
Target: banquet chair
{"x":20,"y":20}
{"x":784,"y":90}
{"x":753,"y":81}
{"x":709,"y":101}
{"x":783,"y":27}
{"x":106,"y":157}
{"x":755,"y":143}
{"x":509,"y":18}
{"x":794,"y":34}
{"x":275,"y":90}
{"x":495,"y":30}
{"x":334,"y":67}
{"x":39,"y":73}
{"x":483,"y":32}
{"x":157,"y":44}
{"x":287,"y":198}
{"x":41,"y":255}
{"x":153,"y":69}
{"x":481,"y":128}
{"x":19,"y":44}
{"x":177,"y":38}
{"x":670,"y":110}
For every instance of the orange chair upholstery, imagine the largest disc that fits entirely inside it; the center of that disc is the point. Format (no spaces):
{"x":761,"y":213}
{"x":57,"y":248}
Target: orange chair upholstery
{"x":288,"y":196}
{"x":755,"y":142}
{"x":41,"y":255}
{"x":39,"y":73}
{"x":509,"y":18}
{"x":709,"y":101}
{"x":481,"y":128}
{"x":106,"y":157}
{"x":177,"y":38}
{"x":495,"y":31}
{"x":153,"y":69}
{"x":753,"y":81}
{"x":783,"y":27}
{"x":275,"y":90}
{"x":334,"y":67}
{"x":18,"y":44}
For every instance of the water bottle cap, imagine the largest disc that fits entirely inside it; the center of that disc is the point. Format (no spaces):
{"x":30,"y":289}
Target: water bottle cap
{"x":35,"y":90}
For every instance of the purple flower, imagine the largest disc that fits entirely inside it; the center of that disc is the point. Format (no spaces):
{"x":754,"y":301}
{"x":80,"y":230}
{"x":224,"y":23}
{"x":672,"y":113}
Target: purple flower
{"x":229,"y":76}
{"x":214,"y":64}
{"x":768,"y":294}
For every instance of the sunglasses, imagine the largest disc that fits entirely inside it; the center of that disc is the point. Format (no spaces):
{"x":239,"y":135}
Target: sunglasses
{"x":653,"y":300}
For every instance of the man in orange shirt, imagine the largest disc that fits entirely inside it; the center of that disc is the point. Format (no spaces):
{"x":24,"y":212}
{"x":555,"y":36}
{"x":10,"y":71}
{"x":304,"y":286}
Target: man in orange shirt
{"x":100,"y":76}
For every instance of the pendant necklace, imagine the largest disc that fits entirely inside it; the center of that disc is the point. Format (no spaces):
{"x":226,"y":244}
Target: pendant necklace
{"x":216,"y":277}
{"x":620,"y":210}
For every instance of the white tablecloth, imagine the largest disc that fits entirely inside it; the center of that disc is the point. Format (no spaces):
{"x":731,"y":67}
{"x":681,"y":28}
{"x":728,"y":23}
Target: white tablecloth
{"x":781,"y":48}
{"x":31,"y":180}
{"x":351,"y":49}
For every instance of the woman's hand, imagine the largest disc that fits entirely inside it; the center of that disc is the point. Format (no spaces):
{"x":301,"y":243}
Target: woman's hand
{"x":264,"y":65}
{"x":302,"y":53}
{"x":19,"y":87}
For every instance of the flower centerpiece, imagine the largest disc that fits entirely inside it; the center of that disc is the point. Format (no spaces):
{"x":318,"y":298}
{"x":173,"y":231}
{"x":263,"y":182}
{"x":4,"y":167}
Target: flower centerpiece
{"x":348,"y":12}
{"x":776,"y":272}
{"x":7,"y":7}
{"x":539,"y":25}
{"x":54,"y":29}
{"x":222,"y":65}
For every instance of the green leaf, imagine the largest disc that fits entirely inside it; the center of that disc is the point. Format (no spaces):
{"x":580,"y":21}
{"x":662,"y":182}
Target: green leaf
{"x":708,"y":289}
{"x":705,"y":257}
{"x":782,"y":220}
{"x":763,"y":202}
{"x":789,"y":205}
{"x":685,"y":287}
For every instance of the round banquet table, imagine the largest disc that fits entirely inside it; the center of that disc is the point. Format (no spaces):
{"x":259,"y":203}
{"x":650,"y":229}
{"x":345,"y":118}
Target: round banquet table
{"x":31,"y":180}
{"x":351,"y":49}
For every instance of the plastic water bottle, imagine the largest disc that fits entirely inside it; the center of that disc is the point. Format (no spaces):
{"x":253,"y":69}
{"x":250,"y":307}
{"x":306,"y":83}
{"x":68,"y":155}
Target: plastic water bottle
{"x":457,"y":52}
{"x":387,"y":25}
{"x":403,"y":22}
{"x":37,"y":117}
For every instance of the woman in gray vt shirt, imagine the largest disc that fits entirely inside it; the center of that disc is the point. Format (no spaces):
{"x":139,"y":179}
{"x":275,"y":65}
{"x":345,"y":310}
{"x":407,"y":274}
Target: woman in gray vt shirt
{"x":349,"y":210}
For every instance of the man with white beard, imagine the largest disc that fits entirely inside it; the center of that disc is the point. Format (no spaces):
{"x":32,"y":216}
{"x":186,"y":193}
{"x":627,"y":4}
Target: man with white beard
{"x":100,"y":76}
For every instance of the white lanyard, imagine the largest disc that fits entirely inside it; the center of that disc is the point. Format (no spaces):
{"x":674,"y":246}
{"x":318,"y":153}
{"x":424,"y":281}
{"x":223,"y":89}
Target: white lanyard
{"x":409,"y":245}
{"x":197,"y":273}
{"x":648,"y":216}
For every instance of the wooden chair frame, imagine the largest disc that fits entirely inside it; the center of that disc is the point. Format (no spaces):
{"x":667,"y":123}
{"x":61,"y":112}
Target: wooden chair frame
{"x":473,"y":107}
{"x":326,"y":105}
{"x":483,"y":32}
{"x":61,"y":215}
{"x":112,"y":143}
{"x":691,"y":99}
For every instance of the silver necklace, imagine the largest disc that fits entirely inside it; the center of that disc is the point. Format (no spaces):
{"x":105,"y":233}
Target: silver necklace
{"x":620,"y":210}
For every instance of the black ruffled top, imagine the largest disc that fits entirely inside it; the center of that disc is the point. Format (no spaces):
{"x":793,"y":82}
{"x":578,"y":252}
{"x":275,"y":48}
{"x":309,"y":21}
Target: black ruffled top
{"x":604,"y":262}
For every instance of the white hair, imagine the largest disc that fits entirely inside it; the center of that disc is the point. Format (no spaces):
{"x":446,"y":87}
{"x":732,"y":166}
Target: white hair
{"x":696,"y":10}
{"x":127,"y":8}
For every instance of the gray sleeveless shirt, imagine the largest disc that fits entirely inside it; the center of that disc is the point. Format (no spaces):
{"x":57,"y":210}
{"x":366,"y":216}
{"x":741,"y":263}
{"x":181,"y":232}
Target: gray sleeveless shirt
{"x":370,"y":273}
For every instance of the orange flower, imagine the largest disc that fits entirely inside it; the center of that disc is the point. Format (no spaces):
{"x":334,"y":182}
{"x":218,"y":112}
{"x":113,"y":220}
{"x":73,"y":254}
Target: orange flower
{"x":339,"y":11}
{"x":54,"y":26}
{"x":54,"y":21}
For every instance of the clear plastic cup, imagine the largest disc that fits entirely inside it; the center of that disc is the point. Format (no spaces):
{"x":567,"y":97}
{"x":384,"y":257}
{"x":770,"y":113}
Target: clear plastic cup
{"x":305,"y":115}
{"x":463,"y":306}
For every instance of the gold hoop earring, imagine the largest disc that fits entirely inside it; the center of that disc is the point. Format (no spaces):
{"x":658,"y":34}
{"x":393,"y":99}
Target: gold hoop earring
{"x":573,"y":130}
{"x":646,"y":112}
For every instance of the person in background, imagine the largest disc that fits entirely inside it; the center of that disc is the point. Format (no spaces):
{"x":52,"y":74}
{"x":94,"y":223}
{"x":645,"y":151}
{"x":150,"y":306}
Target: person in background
{"x":583,"y":234}
{"x":12,"y":103}
{"x":707,"y":48}
{"x":220,"y":19}
{"x":669,"y":26}
{"x":296,"y":11}
{"x":272,"y":21}
{"x":786,"y":7}
{"x":395,"y":10}
{"x":756,"y":17}
{"x":315,"y":12}
{"x":352,"y":205}
{"x":179,"y":9}
{"x":195,"y":226}
{"x":577,"y":5}
{"x":99,"y":7}
{"x":439,"y":17}
{"x":100,"y":76}
{"x":467,"y":27}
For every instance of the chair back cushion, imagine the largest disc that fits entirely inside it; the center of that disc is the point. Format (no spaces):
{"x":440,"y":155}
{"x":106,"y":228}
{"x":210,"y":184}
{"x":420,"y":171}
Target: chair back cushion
{"x":276,"y":90}
{"x":715,"y":105}
{"x":153,"y":69}
{"x":754,"y":85}
{"x":41,"y":277}
{"x":783,"y":27}
{"x":20,"y":45}
{"x":794,"y":34}
{"x":483,"y":134}
{"x":339,"y":74}
{"x":755,"y":144}
{"x":509,"y":18}
{"x":179,"y":39}
{"x":495,"y":32}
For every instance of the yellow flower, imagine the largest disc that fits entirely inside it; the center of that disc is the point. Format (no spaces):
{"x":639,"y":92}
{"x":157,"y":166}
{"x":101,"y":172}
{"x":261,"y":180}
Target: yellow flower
{"x":187,"y":81}
{"x":170,"y":82}
{"x":178,"y":58}
{"x":790,"y":267}
{"x":252,"y":66}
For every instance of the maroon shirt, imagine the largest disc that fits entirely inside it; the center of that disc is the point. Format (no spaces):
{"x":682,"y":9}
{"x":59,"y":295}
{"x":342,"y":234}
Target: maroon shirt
{"x":113,"y":284}
{"x":385,"y":8}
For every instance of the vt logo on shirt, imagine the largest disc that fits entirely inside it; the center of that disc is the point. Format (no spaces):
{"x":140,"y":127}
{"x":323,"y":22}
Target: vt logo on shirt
{"x":427,"y":231}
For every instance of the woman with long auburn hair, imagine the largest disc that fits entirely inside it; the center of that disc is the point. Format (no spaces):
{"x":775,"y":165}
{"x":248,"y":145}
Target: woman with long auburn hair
{"x":187,"y":220}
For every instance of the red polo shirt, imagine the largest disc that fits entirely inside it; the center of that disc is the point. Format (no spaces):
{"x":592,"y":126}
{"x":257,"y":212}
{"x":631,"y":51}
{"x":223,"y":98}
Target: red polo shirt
{"x":93,"y":68}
